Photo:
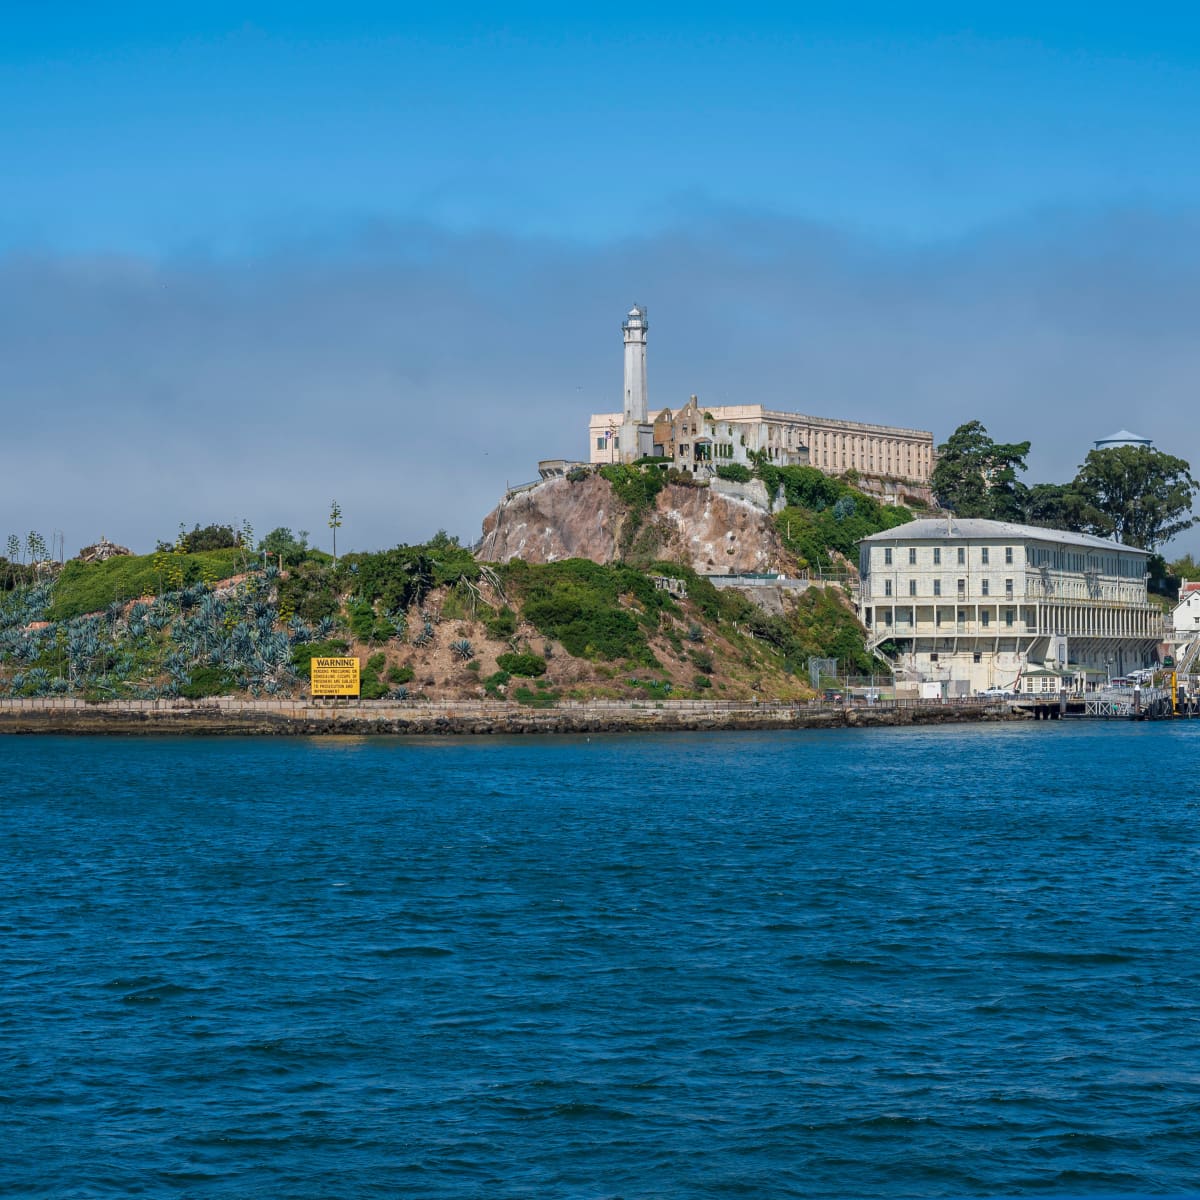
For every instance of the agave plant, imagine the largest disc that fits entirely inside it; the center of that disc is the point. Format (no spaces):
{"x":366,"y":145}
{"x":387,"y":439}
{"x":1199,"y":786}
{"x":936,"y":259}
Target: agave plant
{"x":463,"y":649}
{"x":400,"y":693}
{"x":159,"y":616}
{"x":37,"y":681}
{"x":299,"y":632}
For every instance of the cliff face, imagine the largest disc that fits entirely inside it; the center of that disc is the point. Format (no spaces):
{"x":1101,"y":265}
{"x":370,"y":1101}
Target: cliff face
{"x":560,"y":519}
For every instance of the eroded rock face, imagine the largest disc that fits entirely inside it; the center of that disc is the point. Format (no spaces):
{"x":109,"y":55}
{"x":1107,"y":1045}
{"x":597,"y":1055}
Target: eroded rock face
{"x":560,"y":519}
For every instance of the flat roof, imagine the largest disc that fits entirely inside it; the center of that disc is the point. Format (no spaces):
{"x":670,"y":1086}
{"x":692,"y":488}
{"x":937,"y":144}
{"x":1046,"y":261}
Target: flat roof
{"x":937,"y":529}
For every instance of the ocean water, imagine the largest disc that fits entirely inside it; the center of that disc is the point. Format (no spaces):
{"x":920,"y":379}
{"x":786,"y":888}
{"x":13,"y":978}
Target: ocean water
{"x":949,"y":962}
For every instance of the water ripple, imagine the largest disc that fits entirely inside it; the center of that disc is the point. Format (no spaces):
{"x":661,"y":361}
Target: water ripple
{"x":954,"y":962}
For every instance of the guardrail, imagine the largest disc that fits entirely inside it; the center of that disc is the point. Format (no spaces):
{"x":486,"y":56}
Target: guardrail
{"x":236,"y":704}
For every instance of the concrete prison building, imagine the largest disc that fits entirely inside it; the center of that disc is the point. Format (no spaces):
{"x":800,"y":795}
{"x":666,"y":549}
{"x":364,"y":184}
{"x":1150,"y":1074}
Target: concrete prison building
{"x":700,"y":438}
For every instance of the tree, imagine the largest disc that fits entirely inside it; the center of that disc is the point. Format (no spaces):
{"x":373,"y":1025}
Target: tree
{"x":977,"y":477}
{"x":335,"y":523}
{"x":211,"y":537}
{"x":1185,"y":567}
{"x":1137,"y":494}
{"x":1056,"y":506}
{"x":282,"y":543}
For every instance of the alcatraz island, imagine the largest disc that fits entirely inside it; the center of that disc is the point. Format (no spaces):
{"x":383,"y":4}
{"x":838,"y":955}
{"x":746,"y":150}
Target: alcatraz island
{"x":730,"y":566}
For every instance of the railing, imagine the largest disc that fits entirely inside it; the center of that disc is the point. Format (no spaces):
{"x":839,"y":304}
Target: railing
{"x":516,"y":488}
{"x":800,"y":580}
{"x":380,"y":708}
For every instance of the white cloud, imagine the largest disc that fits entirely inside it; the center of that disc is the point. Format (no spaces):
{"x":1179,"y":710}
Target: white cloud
{"x":411,"y":373}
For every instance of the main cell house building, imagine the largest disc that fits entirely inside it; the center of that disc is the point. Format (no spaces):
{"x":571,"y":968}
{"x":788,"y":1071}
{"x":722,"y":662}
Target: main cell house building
{"x":977,"y":604}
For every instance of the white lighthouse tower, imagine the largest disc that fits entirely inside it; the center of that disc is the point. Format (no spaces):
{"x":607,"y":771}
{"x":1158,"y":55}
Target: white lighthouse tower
{"x":637,"y":436}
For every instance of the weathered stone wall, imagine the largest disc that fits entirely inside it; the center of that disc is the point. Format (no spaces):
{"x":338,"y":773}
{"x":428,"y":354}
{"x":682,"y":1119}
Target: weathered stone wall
{"x":754,"y":492}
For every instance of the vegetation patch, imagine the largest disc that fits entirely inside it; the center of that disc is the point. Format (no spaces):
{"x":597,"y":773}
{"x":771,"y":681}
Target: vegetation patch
{"x":371,"y":686}
{"x":735,"y":473}
{"x":303,"y":654}
{"x":578,"y":603}
{"x":528,"y":665}
{"x":208,"y":681}
{"x":91,"y":587}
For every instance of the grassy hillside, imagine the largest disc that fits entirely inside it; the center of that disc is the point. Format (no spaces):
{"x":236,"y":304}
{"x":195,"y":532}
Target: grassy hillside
{"x":425,"y":621}
{"x":92,"y":587}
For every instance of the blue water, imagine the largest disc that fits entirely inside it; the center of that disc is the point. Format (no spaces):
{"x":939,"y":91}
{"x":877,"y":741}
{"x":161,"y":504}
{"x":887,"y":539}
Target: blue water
{"x":891,"y":963}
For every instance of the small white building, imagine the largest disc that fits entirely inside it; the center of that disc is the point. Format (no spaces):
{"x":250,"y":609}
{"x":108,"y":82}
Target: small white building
{"x":987,"y":601}
{"x":1185,"y":618}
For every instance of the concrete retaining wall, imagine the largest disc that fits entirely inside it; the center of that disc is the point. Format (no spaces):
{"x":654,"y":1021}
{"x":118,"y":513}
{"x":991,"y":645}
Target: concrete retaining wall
{"x":238,"y":716}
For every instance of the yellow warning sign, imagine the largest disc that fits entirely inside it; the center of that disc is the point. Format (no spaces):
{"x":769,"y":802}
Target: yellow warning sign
{"x":334,"y":676}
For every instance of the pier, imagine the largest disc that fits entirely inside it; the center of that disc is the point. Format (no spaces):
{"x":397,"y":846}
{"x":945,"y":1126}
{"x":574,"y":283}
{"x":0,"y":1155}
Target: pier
{"x":1110,"y":703}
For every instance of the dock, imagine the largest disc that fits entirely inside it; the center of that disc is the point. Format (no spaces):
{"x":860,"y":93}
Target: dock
{"x":1108,"y":704}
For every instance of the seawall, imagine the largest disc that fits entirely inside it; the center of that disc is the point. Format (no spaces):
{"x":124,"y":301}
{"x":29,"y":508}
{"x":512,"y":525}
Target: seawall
{"x":305,"y":718}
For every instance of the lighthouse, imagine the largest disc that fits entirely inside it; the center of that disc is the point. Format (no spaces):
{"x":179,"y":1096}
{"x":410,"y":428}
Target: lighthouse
{"x":637,"y":437}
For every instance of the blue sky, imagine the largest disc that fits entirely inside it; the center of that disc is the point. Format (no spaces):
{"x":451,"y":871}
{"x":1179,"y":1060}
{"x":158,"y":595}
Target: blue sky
{"x":140,"y":132}
{"x":1001,"y":172}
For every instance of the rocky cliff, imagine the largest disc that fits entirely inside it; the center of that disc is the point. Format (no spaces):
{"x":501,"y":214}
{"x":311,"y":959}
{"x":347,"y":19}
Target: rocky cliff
{"x":586,"y":519}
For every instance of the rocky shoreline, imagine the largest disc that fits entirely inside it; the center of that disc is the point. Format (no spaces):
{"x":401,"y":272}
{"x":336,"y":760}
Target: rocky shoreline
{"x":297,"y":718}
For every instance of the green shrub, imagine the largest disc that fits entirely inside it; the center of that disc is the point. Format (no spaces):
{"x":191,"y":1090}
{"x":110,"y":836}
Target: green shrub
{"x":702,"y":660}
{"x":211,"y":537}
{"x":735,"y":473}
{"x":533,"y":699}
{"x":362,"y":619}
{"x":578,"y":603}
{"x":494,"y":684}
{"x":310,"y":591}
{"x":502,"y":626}
{"x":701,"y":681}
{"x":208,"y":681}
{"x":405,"y":575}
{"x":303,"y":654}
{"x":403,"y":674}
{"x":528,"y":665}
{"x":371,"y":687}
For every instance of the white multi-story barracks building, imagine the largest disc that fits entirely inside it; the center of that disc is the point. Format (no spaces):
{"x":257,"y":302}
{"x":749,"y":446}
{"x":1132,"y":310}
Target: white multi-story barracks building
{"x":979,"y":603}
